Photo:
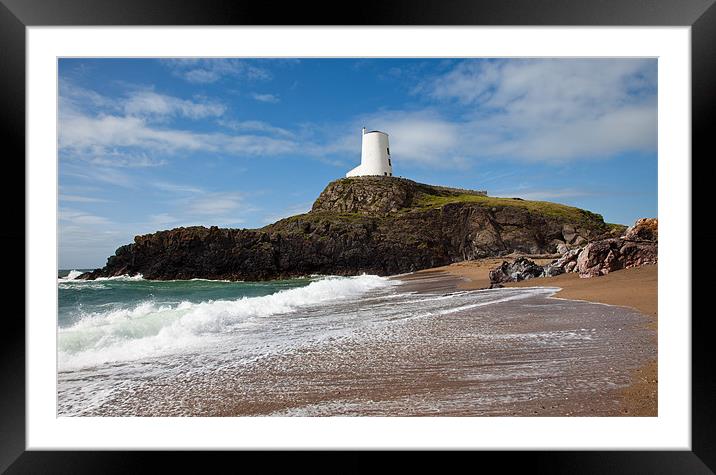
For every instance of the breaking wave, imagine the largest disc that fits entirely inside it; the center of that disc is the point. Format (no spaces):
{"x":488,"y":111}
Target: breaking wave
{"x":151,"y":329}
{"x":72,"y":275}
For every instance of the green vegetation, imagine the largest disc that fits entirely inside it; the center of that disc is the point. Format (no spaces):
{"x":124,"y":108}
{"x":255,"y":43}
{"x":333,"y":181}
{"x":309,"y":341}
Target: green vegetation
{"x":332,"y":216}
{"x":316,"y":219}
{"x":616,"y":228}
{"x":556,"y":210}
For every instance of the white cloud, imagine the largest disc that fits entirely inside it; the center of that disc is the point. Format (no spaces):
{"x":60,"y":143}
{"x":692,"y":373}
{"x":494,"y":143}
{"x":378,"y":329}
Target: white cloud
{"x":130,"y":133}
{"x":256,"y":145}
{"x":72,"y":97}
{"x":176,"y":188}
{"x":195,"y":207}
{"x":256,"y":126}
{"x":81,"y":199}
{"x":213,"y":204}
{"x":82,"y":132}
{"x":140,"y":101}
{"x":79,"y":218}
{"x":205,"y":71}
{"x":545,"y":194}
{"x":108,"y":157}
{"x":162,"y":219}
{"x":421,"y":137}
{"x":292,"y":210}
{"x":117,"y":132}
{"x":99,"y":174}
{"x":270,"y":98}
{"x":86,"y":239}
{"x":151,"y":104}
{"x":551,"y":110}
{"x":91,"y":137}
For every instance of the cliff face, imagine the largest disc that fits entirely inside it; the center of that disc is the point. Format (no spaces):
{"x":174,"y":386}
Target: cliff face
{"x":379,"y":225}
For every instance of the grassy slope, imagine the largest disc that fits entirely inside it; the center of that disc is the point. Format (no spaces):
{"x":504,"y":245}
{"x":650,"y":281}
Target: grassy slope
{"x":546,"y":208}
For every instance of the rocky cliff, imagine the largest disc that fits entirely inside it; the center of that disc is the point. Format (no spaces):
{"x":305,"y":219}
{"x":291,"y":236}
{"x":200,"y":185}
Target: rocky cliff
{"x":380,"y":225}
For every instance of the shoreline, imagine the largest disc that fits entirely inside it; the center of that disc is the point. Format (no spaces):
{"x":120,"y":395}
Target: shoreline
{"x":635,"y":288}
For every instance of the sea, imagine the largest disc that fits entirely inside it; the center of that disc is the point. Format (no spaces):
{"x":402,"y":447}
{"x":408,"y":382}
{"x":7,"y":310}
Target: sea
{"x":121,"y":319}
{"x":120,"y":338}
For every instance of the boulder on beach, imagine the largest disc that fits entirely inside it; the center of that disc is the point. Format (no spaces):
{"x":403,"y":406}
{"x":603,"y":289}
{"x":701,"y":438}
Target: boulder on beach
{"x":520,"y":269}
{"x":637,"y":247}
{"x":602,"y":257}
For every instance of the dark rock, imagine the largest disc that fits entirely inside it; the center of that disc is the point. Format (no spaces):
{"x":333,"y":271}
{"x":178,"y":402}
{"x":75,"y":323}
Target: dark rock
{"x":520,"y":269}
{"x":553,"y":270}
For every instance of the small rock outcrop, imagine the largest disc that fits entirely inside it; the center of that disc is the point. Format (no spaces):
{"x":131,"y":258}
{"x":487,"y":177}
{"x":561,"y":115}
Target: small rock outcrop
{"x":518,"y":270}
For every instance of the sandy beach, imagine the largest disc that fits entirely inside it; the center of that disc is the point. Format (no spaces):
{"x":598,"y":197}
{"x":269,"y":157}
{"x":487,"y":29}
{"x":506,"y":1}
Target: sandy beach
{"x":635,"y":288}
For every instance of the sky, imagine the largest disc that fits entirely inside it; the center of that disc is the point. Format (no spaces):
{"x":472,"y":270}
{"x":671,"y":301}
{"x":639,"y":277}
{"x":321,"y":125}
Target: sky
{"x":152,"y":144}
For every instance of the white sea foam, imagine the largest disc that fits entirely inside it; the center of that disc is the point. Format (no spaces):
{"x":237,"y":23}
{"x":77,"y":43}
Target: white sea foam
{"x":71,"y":276}
{"x":81,"y":285}
{"x":122,"y":277}
{"x":151,"y":329}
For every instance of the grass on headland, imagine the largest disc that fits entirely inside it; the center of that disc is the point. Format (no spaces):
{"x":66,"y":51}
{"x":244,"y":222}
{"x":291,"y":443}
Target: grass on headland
{"x":546,"y":208}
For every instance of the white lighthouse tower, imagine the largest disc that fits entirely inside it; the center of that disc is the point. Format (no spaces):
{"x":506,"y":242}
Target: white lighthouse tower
{"x":375,"y":155}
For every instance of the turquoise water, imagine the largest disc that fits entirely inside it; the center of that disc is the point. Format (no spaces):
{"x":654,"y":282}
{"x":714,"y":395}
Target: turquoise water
{"x":128,"y":319}
{"x":82,"y":299}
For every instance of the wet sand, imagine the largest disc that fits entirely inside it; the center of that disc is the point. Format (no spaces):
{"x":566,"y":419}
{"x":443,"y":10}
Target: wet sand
{"x":635,"y":288}
{"x":531,"y":356}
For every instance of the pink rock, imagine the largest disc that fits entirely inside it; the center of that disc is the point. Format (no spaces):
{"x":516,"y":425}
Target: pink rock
{"x":644,"y":229}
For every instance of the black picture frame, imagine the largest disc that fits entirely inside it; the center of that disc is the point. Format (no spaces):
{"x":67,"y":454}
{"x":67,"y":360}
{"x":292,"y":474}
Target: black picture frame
{"x":16,"y":15}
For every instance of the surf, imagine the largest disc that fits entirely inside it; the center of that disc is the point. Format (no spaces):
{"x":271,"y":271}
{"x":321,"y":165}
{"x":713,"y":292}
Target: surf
{"x":150,"y":328}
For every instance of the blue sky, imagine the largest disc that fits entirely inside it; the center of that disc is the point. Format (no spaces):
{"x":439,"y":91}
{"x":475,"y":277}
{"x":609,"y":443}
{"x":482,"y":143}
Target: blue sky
{"x":151,"y":144}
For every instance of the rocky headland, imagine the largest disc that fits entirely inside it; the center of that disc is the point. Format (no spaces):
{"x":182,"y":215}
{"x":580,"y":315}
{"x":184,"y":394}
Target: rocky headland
{"x":377,"y":225}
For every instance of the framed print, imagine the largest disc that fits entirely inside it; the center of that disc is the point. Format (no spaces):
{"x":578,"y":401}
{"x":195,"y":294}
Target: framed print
{"x":243,"y":226}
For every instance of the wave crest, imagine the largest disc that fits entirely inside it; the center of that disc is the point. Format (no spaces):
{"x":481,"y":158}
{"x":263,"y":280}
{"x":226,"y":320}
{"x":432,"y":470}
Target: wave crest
{"x":151,"y":329}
